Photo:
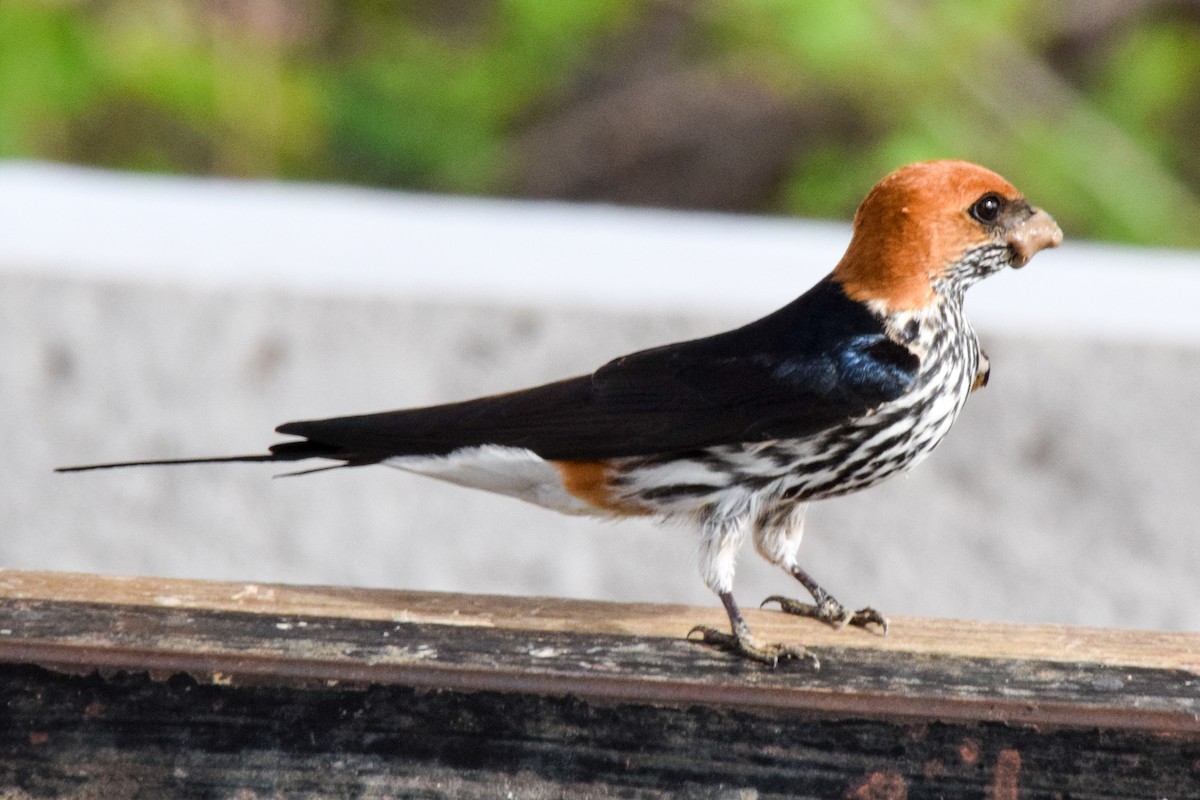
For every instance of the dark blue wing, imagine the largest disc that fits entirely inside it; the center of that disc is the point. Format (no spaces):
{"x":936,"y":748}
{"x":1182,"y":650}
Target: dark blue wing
{"x":818,"y":362}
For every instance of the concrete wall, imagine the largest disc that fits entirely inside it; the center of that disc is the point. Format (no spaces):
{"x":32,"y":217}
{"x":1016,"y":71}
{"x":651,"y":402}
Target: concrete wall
{"x":1066,"y":493}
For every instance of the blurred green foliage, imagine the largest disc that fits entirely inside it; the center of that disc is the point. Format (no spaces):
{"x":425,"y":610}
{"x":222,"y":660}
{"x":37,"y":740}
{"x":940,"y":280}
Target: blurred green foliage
{"x":1093,"y":118}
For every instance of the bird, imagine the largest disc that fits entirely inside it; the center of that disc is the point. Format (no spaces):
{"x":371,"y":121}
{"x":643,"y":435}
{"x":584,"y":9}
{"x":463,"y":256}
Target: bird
{"x":856,"y":380}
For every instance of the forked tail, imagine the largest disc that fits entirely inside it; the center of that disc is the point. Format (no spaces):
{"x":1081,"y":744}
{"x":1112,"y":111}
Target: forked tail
{"x":287,"y":451}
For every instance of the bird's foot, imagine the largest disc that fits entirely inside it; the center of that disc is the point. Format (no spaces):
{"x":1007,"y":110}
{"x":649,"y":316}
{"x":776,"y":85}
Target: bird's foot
{"x":831,"y":612}
{"x":745,"y":645}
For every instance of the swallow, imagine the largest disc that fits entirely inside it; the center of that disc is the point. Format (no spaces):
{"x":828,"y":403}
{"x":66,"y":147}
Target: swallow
{"x":856,"y":380}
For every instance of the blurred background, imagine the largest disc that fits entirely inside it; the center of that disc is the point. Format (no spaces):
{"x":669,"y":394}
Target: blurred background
{"x":228,"y":133}
{"x":1092,"y":106}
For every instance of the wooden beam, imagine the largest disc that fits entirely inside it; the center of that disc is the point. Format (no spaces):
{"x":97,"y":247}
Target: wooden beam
{"x":925,"y":635}
{"x":91,"y":653}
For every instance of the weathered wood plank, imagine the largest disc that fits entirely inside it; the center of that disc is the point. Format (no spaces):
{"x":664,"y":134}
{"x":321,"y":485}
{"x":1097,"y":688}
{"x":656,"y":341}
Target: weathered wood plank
{"x":235,"y":646}
{"x":151,"y":688}
{"x":938,"y":636}
{"x":131,"y":737}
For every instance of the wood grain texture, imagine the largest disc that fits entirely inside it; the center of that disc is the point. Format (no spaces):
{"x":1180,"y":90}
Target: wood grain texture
{"x":162,"y":688}
{"x":931,"y":636}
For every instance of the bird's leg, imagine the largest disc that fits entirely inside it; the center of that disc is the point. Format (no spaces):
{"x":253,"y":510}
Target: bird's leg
{"x":741,"y":642}
{"x":824,"y":607}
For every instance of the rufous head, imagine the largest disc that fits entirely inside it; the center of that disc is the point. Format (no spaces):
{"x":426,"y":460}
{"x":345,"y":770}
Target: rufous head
{"x":936,"y":224}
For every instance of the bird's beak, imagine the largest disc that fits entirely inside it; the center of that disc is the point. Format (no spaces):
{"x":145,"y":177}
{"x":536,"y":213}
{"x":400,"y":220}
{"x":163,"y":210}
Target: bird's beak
{"x":1032,"y":236}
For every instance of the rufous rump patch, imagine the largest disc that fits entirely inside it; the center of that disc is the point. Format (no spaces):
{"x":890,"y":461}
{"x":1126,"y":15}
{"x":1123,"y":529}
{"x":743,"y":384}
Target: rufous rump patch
{"x":591,"y":482}
{"x":910,"y":227}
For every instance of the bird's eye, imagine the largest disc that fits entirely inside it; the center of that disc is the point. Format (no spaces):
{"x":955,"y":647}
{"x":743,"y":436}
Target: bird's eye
{"x":987,"y":208}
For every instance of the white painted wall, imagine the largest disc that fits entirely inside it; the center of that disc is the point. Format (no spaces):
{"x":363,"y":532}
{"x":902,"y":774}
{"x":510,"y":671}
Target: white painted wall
{"x":335,"y":240}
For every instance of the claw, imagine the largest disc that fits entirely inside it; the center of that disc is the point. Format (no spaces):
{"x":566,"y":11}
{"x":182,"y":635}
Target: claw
{"x":867,"y":616}
{"x":776,"y":598}
{"x":749,"y":647}
{"x":831,"y":612}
